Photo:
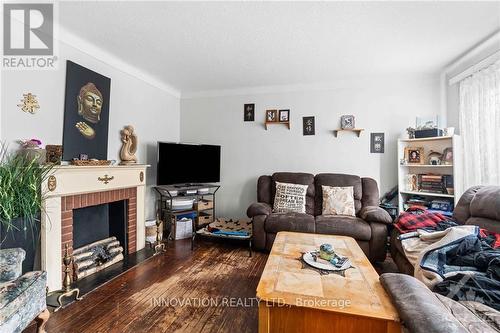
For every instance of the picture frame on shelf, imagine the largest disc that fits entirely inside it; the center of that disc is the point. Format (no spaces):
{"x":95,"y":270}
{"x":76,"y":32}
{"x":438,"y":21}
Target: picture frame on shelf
{"x":271,"y":116}
{"x":347,"y":122}
{"x":412,"y":182}
{"x":284,"y":116}
{"x":447,"y":157}
{"x":414,"y":155}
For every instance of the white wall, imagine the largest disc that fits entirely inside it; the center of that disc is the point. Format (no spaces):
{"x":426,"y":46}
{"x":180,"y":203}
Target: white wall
{"x":386,"y":105}
{"x":153,"y":112}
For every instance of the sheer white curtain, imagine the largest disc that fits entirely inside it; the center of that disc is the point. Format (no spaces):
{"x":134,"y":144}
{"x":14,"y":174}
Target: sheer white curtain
{"x":480,"y":127}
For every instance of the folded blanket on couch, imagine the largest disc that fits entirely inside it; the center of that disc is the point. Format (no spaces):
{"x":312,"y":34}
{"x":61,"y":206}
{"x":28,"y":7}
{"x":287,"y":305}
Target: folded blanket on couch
{"x":432,"y":265}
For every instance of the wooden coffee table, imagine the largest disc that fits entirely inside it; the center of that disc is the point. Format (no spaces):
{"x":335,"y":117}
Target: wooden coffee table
{"x":297,"y":299}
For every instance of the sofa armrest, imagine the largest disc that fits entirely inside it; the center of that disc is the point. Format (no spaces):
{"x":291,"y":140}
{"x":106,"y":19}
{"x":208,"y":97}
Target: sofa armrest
{"x":419,"y":309}
{"x":375,"y":214}
{"x":11,"y":264}
{"x":259,"y":208}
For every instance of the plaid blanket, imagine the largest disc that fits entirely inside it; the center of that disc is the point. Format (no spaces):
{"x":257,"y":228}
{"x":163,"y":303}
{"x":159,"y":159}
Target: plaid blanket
{"x":410,"y":222}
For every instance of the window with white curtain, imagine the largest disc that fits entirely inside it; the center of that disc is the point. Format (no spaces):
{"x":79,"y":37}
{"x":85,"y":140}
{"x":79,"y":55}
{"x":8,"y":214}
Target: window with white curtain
{"x":480,"y":127}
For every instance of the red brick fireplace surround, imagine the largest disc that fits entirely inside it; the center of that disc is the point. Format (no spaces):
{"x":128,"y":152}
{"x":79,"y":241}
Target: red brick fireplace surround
{"x":68,"y":203}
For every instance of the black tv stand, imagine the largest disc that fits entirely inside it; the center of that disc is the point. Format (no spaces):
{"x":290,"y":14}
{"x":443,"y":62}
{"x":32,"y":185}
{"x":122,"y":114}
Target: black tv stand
{"x":187,"y":185}
{"x":204,"y":206}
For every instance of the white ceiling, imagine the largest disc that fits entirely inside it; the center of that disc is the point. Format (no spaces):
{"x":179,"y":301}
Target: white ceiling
{"x":200,"y":46}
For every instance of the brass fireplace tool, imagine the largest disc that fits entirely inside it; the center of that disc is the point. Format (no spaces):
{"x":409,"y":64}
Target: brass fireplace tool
{"x":66,"y":290}
{"x":160,"y":246}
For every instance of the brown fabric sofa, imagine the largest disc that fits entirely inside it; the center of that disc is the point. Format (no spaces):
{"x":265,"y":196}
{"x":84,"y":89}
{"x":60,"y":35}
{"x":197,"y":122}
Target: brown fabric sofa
{"x":479,"y":205}
{"x":368,"y":227}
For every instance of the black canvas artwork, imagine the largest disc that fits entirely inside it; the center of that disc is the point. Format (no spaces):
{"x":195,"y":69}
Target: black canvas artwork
{"x":308,"y":125}
{"x":377,"y":143}
{"x":249,"y":112}
{"x":86,"y":113}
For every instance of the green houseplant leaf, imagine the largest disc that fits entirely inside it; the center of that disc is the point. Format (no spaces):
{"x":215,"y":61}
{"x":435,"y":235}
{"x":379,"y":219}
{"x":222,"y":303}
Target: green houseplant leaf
{"x":20,"y":188}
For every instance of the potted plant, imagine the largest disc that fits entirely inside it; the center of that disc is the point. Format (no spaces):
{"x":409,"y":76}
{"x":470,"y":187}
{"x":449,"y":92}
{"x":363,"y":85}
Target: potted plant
{"x":21,"y":177}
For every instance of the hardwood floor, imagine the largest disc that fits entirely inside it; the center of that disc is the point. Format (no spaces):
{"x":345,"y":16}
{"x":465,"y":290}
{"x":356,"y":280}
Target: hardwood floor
{"x":211,"y":289}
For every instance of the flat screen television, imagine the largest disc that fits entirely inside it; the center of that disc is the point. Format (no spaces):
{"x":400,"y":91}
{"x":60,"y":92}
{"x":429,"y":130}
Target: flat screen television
{"x":187,"y":163}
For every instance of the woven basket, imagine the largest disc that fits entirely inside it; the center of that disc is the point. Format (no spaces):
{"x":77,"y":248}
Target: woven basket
{"x":90,"y":162}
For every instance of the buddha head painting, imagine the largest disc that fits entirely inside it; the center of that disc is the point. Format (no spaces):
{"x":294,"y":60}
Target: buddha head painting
{"x":89,"y":102}
{"x":86,"y":113}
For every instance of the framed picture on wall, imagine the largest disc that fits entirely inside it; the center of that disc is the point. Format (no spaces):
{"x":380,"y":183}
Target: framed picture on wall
{"x":308,"y":126}
{"x":86,"y":113}
{"x":249,"y":112}
{"x":377,"y":143}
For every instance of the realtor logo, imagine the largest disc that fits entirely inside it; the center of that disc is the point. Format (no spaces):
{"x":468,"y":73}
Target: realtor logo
{"x":28,"y":29}
{"x":28,"y":35}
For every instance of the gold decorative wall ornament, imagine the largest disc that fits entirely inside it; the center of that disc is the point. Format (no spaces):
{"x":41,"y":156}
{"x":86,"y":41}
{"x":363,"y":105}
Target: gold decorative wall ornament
{"x":129,"y":146}
{"x":106,"y":179}
{"x":29,"y":103}
{"x":52,"y":183}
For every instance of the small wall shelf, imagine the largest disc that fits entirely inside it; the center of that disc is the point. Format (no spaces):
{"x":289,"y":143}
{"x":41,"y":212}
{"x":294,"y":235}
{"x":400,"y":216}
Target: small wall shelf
{"x":286,"y":123}
{"x":355,"y":130}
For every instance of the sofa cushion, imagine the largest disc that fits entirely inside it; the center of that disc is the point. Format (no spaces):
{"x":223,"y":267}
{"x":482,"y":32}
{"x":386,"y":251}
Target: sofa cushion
{"x":296,"y":178}
{"x":336,"y":180}
{"x":264,"y":189}
{"x":343,"y":226}
{"x":22,"y":300}
{"x":486,"y":202}
{"x":338,"y":200}
{"x":290,"y":198}
{"x":420,"y":310}
{"x":484,"y":223}
{"x":375,"y":214}
{"x":11,"y":264}
{"x":299,"y":222}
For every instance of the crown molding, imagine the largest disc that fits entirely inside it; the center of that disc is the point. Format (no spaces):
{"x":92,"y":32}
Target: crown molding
{"x":71,"y":39}
{"x":321,"y":86}
{"x":490,"y":42}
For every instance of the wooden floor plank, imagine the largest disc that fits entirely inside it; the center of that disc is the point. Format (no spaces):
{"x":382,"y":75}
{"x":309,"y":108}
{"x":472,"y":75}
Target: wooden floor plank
{"x":214,"y":271}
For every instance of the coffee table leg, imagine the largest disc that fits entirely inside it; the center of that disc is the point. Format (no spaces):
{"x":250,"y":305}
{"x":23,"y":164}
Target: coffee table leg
{"x":250,"y":247}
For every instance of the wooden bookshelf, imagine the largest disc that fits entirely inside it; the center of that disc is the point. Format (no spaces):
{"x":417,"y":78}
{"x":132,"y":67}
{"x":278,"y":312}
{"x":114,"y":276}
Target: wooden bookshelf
{"x":437,"y":144}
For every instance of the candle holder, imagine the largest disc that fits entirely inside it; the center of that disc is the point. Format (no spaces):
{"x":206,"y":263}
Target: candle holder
{"x":160,"y":246}
{"x":66,"y":290}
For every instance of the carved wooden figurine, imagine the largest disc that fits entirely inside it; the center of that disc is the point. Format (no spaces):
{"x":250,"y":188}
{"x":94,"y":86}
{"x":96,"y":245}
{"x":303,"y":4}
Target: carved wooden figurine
{"x":129,"y":146}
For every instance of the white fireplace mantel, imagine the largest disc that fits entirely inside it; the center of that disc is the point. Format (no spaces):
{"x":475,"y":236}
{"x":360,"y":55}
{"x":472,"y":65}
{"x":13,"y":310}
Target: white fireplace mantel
{"x":66,"y":181}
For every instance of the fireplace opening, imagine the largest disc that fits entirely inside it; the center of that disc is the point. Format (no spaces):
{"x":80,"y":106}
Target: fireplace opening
{"x":99,"y":237}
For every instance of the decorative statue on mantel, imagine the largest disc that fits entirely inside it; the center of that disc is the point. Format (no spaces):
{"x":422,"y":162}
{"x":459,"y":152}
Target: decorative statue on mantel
{"x":129,"y":146}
